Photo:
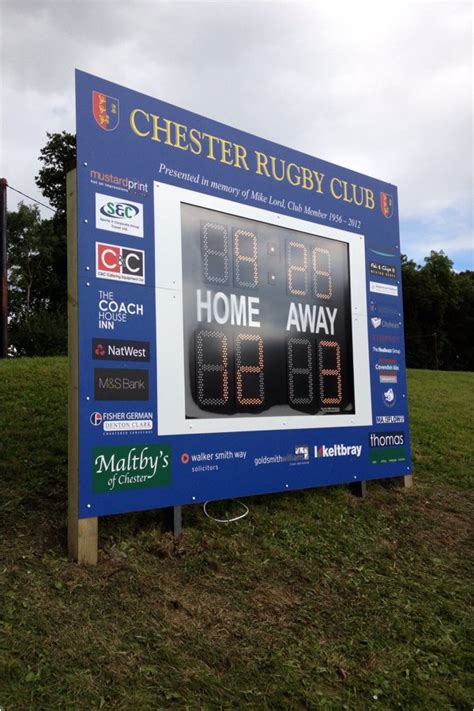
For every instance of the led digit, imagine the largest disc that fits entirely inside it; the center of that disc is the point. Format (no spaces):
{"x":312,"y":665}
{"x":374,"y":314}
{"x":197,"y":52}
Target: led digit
{"x":212,"y":368}
{"x":300,"y":378}
{"x":297,"y":273}
{"x":246,"y":258}
{"x":322,"y":275}
{"x":330,"y":390}
{"x":243,"y":386}
{"x":215,"y":253}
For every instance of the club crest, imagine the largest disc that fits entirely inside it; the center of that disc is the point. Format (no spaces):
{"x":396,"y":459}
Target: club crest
{"x":386,"y":204}
{"x":106,"y":110}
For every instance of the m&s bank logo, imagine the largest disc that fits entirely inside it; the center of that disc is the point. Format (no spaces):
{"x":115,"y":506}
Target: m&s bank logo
{"x":106,"y":110}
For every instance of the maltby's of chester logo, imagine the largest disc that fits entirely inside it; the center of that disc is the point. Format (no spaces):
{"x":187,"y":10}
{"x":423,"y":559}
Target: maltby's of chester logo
{"x":106,"y":111}
{"x":386,"y":204}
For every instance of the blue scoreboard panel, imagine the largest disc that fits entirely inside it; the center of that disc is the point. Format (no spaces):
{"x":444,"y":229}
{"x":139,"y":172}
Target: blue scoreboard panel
{"x":240,"y":312}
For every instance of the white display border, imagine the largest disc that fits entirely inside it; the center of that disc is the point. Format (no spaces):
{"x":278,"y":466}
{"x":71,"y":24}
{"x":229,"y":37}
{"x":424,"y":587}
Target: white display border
{"x":169,"y":319}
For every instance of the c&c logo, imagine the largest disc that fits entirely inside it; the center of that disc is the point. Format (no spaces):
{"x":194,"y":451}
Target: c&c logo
{"x":120,"y":263}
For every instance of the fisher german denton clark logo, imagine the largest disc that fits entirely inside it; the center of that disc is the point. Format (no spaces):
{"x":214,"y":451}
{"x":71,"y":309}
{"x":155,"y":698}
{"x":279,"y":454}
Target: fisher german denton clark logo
{"x":118,"y":422}
{"x":132,"y":467}
{"x":337,"y":450}
{"x":120,"y":263}
{"x":120,"y":384}
{"x":387,"y":447}
{"x":105,"y":110}
{"x":114,"y":349}
{"x":118,"y":215}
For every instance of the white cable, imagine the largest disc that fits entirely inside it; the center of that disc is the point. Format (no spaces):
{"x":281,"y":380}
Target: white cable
{"x":226,"y":520}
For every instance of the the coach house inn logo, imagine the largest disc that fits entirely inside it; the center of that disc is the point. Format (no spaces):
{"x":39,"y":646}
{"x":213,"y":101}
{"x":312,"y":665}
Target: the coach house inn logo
{"x":106,"y":110}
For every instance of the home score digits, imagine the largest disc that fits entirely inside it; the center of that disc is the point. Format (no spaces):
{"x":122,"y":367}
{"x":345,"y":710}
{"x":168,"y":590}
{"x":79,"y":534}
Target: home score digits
{"x":267,"y":318}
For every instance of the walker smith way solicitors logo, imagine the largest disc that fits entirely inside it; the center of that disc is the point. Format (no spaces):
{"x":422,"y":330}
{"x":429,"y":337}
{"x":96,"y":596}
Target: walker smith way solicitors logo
{"x":125,"y":468}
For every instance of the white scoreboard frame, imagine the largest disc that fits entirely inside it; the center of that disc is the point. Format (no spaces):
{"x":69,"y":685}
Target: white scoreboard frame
{"x":169,"y":319}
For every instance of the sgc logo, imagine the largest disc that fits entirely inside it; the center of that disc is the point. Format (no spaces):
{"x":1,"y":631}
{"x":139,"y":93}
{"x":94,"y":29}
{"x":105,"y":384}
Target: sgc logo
{"x":118,"y":384}
{"x":116,"y":215}
{"x":120,"y":263}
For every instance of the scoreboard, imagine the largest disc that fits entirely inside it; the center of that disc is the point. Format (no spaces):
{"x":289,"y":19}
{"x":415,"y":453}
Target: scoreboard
{"x":245,"y":302}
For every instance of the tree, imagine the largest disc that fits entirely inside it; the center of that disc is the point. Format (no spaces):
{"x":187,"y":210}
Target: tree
{"x":57,"y":154}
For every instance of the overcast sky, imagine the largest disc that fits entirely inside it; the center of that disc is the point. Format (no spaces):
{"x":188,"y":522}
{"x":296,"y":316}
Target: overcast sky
{"x":384,"y":88}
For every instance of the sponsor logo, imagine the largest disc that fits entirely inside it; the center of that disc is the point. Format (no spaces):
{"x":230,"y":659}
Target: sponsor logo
{"x":105,"y":110}
{"x":125,"y":468}
{"x":111,"y":311}
{"x":386,"y":204}
{"x":120,"y":263}
{"x":385,"y":338}
{"x":389,"y":419}
{"x":389,"y":398}
{"x":185,"y":458}
{"x":116,"y":182}
{"x":117,"y":422}
{"x":118,"y":384}
{"x":376,"y":321}
{"x":337,"y":450}
{"x":383,"y":270}
{"x":116,"y":215}
{"x":113,"y":349}
{"x":302,"y":451}
{"x":387,"y":447}
{"x":386,"y":309}
{"x":379,"y":253}
{"x":379,"y":288}
{"x":388,"y":351}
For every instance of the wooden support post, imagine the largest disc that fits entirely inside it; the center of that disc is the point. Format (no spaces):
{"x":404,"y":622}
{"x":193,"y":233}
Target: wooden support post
{"x":358,"y":488}
{"x":404,"y":482}
{"x":172,"y":520}
{"x":81,"y":533}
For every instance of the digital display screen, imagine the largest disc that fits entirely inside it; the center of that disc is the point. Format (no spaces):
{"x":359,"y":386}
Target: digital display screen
{"x":267,"y":319}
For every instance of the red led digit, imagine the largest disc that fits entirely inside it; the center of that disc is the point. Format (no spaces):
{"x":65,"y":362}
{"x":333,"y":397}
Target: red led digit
{"x":300,"y":377}
{"x":297,"y":273}
{"x":212,"y":368}
{"x":246,"y":258}
{"x":330,"y":350}
{"x":242,"y":340}
{"x":215,"y":252}
{"x":322,"y":277}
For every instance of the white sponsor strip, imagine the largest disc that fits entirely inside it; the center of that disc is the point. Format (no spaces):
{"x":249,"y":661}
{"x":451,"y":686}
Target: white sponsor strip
{"x":378,"y":288}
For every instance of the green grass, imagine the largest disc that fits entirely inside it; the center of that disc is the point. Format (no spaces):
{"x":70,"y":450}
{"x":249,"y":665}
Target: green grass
{"x":314,"y":600}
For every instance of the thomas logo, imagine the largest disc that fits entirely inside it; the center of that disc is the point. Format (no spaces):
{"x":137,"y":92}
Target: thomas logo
{"x":105,"y":110}
{"x":386,"y":204}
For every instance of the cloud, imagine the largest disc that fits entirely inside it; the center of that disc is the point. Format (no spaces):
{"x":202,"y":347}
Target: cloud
{"x":385,"y":93}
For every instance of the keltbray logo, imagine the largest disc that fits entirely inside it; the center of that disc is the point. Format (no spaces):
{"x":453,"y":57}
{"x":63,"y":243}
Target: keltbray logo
{"x":387,"y":447}
{"x":118,"y":215}
{"x":125,"y":468}
{"x":337,"y":450}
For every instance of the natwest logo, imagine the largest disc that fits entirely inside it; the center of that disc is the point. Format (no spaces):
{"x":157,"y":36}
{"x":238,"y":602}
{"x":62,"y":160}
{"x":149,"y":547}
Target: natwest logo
{"x":120,"y":263}
{"x":116,"y":215}
{"x":114,"y":349}
{"x":337,"y":450}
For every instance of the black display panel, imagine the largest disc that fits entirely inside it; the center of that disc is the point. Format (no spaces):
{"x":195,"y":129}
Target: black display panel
{"x":267,"y":319}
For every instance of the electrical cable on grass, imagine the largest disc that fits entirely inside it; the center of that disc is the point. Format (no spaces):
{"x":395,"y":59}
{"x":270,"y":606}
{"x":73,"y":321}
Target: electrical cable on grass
{"x":227,"y":520}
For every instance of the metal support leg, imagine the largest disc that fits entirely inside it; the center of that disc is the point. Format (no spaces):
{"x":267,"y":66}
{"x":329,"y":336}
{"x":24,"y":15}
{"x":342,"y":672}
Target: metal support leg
{"x":358,"y":488}
{"x":172,"y":520}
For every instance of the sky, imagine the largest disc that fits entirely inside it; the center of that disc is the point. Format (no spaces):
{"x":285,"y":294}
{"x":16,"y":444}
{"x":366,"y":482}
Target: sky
{"x":383,"y":88}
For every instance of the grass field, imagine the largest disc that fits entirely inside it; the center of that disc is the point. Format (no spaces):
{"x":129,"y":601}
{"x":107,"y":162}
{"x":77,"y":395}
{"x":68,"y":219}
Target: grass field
{"x":315,"y":600}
